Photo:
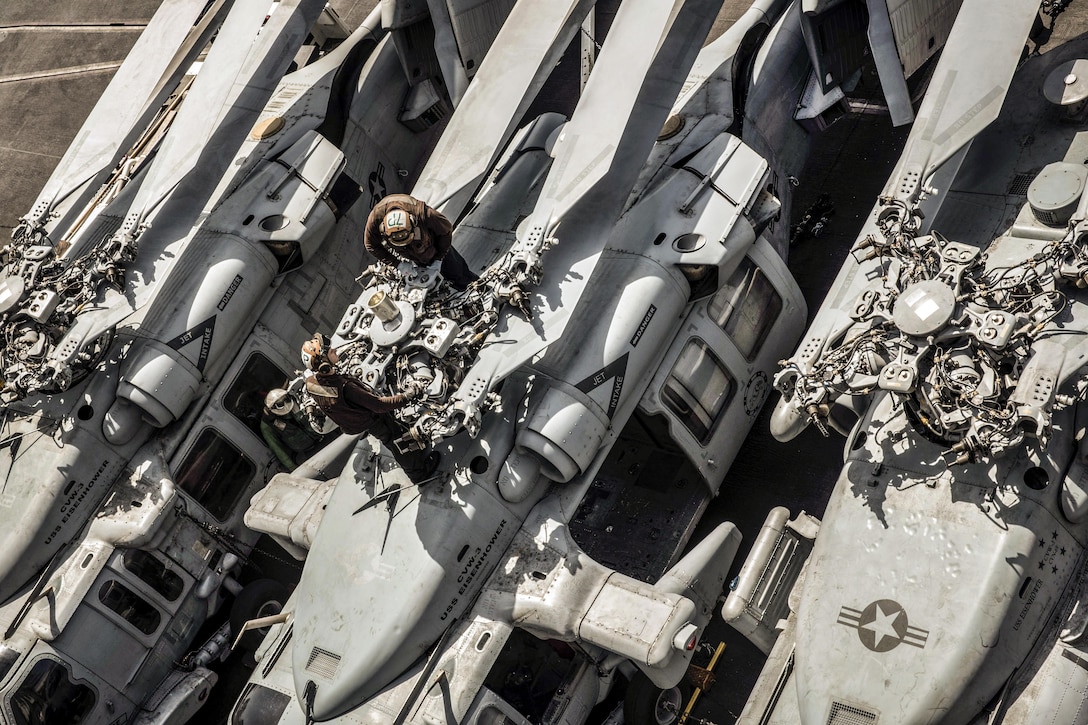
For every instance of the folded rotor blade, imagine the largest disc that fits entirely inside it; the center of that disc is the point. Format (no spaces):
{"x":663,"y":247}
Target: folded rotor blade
{"x":238,"y":77}
{"x":520,"y":60}
{"x":598,"y":155}
{"x":967,"y":89}
{"x":128,"y":100}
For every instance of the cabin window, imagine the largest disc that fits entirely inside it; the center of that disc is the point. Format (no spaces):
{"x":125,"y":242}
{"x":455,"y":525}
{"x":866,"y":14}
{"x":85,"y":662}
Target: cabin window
{"x":154,"y":573}
{"x":245,"y":397}
{"x":746,"y":308}
{"x":48,"y":696}
{"x":8,"y":658}
{"x":697,"y":389}
{"x":260,"y":705}
{"x":215,"y":473}
{"x":136,"y":610}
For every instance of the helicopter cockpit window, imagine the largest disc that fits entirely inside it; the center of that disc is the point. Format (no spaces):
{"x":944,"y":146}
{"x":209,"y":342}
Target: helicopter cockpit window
{"x":697,"y":389}
{"x":245,"y":397}
{"x":154,"y":573}
{"x":8,"y":658}
{"x":746,"y":307}
{"x":260,"y":705}
{"x":136,"y":610}
{"x":215,"y":473}
{"x":48,"y":696}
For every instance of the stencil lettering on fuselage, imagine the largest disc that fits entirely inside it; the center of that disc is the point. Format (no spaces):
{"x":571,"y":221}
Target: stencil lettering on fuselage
{"x":643,"y":325}
{"x":203,"y":331}
{"x":615,"y":371}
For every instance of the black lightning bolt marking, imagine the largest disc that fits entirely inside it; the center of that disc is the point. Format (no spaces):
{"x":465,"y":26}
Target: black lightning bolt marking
{"x":389,"y":496}
{"x":12,"y":443}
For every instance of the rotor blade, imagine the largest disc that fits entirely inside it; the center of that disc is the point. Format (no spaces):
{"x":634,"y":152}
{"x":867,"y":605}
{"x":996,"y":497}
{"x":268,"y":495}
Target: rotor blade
{"x":888,"y":66}
{"x":598,"y":155}
{"x":967,"y":89}
{"x":445,"y":46}
{"x":522,"y":57}
{"x":236,"y":80}
{"x":126,"y":100}
{"x":626,"y":101}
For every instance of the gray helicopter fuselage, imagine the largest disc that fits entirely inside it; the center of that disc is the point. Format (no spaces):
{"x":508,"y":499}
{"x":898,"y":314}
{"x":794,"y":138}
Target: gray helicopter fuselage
{"x":121,"y":510}
{"x":955,"y":574}
{"x":416,"y":595}
{"x":960,"y":508}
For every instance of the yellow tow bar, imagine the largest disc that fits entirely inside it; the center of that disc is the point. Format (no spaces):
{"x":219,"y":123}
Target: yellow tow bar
{"x":703,"y":679}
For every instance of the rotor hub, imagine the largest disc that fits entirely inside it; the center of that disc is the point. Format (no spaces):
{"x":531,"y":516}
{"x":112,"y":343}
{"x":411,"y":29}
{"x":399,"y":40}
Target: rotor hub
{"x":924,"y":308}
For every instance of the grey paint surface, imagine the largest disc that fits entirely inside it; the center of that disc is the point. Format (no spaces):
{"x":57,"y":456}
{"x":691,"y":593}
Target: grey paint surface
{"x":55,"y":60}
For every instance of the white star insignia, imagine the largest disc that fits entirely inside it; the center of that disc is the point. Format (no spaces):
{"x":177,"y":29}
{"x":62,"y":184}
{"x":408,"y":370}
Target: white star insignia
{"x":883,"y":625}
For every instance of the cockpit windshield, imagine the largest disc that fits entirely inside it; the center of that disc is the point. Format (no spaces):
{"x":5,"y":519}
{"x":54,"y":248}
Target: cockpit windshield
{"x":48,"y":696}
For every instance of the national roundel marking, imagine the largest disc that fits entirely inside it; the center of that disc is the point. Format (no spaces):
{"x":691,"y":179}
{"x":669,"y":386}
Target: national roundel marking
{"x":883,"y":625}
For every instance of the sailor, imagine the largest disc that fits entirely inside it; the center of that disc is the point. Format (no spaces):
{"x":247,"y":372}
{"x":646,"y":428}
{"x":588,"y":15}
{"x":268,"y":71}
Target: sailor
{"x":401,"y":227}
{"x":286,"y":430}
{"x":358,"y":409}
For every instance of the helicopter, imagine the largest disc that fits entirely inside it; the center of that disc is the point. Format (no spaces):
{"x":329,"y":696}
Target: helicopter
{"x":948,"y":354}
{"x":205,"y":216}
{"x":585,"y":421}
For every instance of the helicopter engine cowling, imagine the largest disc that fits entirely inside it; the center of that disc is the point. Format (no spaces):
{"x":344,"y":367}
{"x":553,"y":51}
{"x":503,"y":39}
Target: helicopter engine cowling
{"x":586,"y":370}
{"x":565,"y":432}
{"x":287,"y":203}
{"x":160,"y":384}
{"x":271,"y":224}
{"x":163,"y":374}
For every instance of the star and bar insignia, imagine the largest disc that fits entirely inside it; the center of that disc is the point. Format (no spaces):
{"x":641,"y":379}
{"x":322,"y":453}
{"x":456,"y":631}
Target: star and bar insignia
{"x":882,"y":626}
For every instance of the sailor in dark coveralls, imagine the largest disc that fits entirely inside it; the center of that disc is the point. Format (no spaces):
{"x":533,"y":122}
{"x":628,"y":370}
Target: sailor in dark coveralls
{"x":401,"y":227}
{"x":286,"y":431}
{"x":358,"y":410}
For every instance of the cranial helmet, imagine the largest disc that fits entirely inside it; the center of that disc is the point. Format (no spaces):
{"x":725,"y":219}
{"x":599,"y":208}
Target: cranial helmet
{"x":315,"y":354}
{"x":279,"y":402}
{"x":399,"y":227}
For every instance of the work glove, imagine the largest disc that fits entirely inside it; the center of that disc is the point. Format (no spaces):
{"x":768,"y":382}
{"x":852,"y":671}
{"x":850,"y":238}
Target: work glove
{"x":415,"y":389}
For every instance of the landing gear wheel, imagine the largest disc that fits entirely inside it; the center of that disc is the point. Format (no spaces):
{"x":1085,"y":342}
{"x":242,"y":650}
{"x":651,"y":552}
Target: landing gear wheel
{"x":645,"y":704}
{"x":261,"y":598}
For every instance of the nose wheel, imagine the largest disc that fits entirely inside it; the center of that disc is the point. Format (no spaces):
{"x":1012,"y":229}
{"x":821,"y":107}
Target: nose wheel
{"x":647,"y":705}
{"x":261,"y":598}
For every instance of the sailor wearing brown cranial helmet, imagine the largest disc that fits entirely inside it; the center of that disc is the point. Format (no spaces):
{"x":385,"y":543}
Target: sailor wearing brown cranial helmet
{"x":357,"y":409}
{"x":403,"y":228}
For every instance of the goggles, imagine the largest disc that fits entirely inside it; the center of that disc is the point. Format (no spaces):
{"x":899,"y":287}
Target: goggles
{"x":400,"y":237}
